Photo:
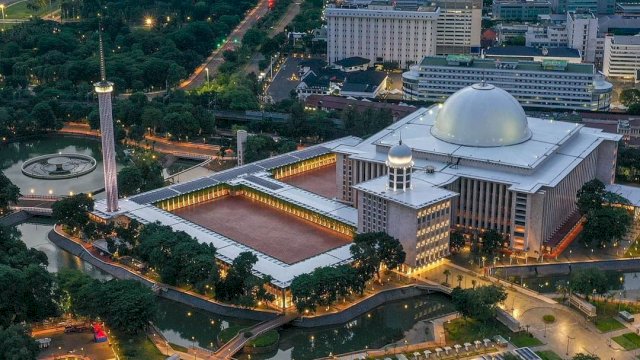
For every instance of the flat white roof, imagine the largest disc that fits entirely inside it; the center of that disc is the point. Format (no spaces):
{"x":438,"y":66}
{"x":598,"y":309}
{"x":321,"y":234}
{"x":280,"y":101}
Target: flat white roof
{"x":554,"y":149}
{"x":631,"y":193}
{"x":422,"y":193}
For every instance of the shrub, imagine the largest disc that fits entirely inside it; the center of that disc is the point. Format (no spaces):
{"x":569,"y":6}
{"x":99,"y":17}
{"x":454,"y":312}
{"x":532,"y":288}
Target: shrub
{"x":549,"y":319}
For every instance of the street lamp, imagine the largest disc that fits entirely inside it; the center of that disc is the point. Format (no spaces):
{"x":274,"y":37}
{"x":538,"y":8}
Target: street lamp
{"x":148,"y":22}
{"x":207,"y":71}
{"x":193,"y":341}
{"x":569,"y":338}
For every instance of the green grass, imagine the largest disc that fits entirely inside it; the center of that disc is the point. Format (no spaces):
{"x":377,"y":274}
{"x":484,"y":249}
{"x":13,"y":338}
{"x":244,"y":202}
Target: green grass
{"x":179,"y":347}
{"x":138,"y":347}
{"x":461,"y":331}
{"x":548,"y":355}
{"x":634,"y":249}
{"x":269,"y":338}
{"x":607,"y":324}
{"x":629,"y":341}
{"x":21,"y":11}
{"x":228,"y":333}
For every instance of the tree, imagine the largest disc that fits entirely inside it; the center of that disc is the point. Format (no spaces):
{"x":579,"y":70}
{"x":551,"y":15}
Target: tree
{"x":590,"y":196}
{"x":130,"y":181}
{"x":492,"y":241}
{"x":126,"y":305}
{"x":606,"y":225}
{"x":73,"y":211}
{"x":16,"y":343}
{"x":446,"y":273}
{"x":456,"y":241}
{"x":240,"y":285}
{"x":479,"y":303}
{"x":589,"y":281}
{"x":459,"y":278}
{"x":9,"y":193}
{"x":629,"y":97}
{"x":371,"y":250}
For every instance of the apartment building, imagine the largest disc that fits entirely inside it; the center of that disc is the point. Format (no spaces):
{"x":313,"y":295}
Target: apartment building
{"x":621,"y":56}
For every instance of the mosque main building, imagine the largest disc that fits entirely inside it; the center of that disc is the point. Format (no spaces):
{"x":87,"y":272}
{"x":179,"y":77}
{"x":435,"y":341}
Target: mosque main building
{"x":474,"y":163}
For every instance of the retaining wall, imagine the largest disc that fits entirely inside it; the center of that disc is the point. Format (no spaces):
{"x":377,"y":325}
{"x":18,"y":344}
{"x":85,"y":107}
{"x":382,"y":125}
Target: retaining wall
{"x":533,"y":270}
{"x":167,"y":292}
{"x":15,"y":218}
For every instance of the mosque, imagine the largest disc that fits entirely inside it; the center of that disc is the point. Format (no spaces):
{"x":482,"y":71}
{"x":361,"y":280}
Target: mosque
{"x":475,"y":162}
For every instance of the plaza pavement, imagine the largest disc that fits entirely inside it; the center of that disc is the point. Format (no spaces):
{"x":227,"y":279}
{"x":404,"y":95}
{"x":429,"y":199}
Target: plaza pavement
{"x":570,"y":326}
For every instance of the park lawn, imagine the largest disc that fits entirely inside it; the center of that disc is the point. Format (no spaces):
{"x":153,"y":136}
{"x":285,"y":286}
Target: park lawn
{"x":612,"y":308}
{"x":269,"y":338}
{"x":20,"y":10}
{"x":138,"y":347}
{"x":607,"y":323}
{"x":461,"y":331}
{"x":228,"y":333}
{"x":629,"y":341}
{"x":548,"y":355}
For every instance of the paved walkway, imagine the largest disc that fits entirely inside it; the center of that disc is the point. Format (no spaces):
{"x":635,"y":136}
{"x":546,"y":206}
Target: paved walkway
{"x":159,"y":144}
{"x":570,"y":330}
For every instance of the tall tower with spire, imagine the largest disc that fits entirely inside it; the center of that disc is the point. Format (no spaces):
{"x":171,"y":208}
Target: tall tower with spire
{"x":104,"y":89}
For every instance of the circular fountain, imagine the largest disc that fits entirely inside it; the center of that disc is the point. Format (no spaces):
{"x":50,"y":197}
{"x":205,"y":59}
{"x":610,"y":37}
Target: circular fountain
{"x":58,"y":166}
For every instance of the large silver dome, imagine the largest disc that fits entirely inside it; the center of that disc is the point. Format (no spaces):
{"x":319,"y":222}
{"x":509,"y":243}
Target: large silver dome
{"x":481,"y":115}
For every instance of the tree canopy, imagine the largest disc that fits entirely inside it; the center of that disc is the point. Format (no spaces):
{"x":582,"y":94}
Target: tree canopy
{"x":479,"y":303}
{"x":371,"y":250}
{"x":589,"y":281}
{"x":606,"y":222}
{"x":126,"y":305}
{"x":9,"y":192}
{"x":73,"y":211}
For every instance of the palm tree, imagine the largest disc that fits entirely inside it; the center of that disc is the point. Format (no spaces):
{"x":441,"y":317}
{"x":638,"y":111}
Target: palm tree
{"x":459,"y":277}
{"x":446,"y":273}
{"x":473,"y":283}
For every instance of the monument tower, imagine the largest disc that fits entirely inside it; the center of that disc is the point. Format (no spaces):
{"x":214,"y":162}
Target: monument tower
{"x":104,"y":89}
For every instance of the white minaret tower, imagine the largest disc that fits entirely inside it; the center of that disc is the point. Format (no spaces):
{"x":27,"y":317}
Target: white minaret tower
{"x":104,"y":89}
{"x":400,"y":164}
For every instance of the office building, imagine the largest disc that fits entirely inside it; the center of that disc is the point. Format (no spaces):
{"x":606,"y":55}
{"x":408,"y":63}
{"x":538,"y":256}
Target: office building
{"x":621,"y":57}
{"x":550,"y":84}
{"x":458,"y":26}
{"x":520,"y":10}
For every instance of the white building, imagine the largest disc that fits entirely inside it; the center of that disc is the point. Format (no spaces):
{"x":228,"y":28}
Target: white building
{"x":514,"y":174}
{"x":582,"y":34}
{"x":548,"y":84}
{"x":549,"y":36}
{"x":383,"y":31}
{"x":380,"y":33}
{"x":621,"y":56}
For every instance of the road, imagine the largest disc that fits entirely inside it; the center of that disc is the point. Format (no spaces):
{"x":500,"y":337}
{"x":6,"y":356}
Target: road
{"x":569,"y":332}
{"x":162,"y":145}
{"x":214,"y":61}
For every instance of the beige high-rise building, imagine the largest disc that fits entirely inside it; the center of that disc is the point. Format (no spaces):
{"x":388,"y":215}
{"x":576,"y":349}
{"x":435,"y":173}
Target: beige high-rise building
{"x":458,"y":27}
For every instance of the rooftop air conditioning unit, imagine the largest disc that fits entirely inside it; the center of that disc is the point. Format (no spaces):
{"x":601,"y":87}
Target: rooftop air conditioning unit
{"x":429,"y":169}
